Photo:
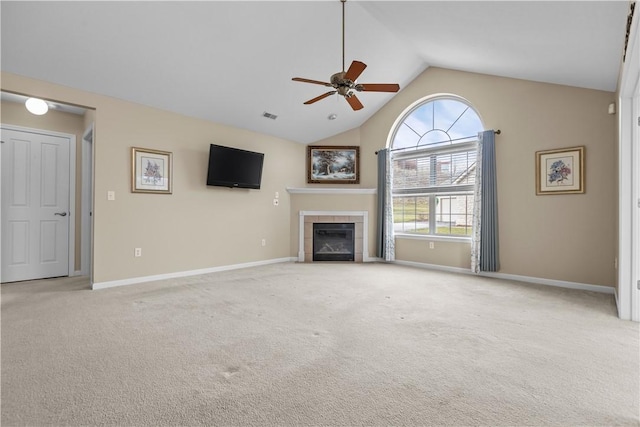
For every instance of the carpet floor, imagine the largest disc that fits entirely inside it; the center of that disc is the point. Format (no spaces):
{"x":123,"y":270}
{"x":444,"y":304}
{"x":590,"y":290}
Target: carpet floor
{"x":316,"y":344}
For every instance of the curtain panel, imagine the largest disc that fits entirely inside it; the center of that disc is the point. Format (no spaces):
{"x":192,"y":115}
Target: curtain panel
{"x":385,"y":243}
{"x":484,"y":241}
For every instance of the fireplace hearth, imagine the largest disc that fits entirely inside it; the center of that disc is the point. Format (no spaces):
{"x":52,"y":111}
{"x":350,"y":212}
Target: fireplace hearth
{"x":333,"y":241}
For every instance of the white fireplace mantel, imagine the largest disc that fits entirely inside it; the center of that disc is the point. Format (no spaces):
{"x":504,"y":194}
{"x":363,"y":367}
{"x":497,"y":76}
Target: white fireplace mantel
{"x":365,"y":231}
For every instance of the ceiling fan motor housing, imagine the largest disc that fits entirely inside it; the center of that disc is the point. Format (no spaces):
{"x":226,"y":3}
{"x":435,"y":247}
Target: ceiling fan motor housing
{"x":341,"y":84}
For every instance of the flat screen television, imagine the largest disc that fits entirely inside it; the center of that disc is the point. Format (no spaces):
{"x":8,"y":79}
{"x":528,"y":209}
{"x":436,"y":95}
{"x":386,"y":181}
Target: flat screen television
{"x":233,"y":167}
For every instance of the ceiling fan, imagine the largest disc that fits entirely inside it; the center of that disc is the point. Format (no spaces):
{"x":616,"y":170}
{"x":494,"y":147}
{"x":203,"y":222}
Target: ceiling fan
{"x":344,"y":82}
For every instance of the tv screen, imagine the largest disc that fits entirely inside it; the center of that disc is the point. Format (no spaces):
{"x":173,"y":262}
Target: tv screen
{"x":232,"y":167}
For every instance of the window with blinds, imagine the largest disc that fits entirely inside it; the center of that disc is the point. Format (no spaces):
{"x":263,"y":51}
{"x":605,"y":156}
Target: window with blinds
{"x":433,"y":179}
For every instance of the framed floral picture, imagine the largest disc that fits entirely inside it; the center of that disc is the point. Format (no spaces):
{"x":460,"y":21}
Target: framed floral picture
{"x":151,"y":171}
{"x":333,"y":164}
{"x":560,"y":171}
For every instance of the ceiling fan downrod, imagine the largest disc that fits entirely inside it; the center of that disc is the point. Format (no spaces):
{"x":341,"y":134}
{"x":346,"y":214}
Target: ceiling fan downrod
{"x":343,"y":2}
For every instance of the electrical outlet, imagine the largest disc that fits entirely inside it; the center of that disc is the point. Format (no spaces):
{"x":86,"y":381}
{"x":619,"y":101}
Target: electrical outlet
{"x":432,"y":245}
{"x":137,"y":252}
{"x":264,"y":242}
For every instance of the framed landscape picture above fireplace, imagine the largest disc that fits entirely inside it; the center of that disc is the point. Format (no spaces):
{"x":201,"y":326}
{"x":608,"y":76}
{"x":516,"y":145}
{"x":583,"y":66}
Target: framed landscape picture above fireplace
{"x":333,"y":164}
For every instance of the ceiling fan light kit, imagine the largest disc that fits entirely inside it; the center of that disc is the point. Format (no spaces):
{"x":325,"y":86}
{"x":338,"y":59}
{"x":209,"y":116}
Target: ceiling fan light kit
{"x":344,"y":82}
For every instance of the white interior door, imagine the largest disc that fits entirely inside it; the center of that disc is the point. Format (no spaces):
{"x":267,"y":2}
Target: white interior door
{"x":35,"y":205}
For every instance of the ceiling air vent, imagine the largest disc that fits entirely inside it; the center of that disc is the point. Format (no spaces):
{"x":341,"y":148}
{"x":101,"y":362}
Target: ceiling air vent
{"x":269,"y":116}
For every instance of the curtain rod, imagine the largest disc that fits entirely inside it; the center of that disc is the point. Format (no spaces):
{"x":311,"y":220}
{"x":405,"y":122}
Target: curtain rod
{"x":497,"y":132}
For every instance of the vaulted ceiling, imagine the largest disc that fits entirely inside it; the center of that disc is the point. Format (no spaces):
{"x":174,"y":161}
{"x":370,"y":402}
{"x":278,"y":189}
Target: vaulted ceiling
{"x":231,"y":61}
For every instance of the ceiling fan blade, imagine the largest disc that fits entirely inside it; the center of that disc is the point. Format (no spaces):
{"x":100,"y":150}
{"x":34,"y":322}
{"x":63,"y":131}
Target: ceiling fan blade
{"x":355,"y":69}
{"x":378,"y":87}
{"x":316,"y":82}
{"x":318,"y":98}
{"x":354,"y":102}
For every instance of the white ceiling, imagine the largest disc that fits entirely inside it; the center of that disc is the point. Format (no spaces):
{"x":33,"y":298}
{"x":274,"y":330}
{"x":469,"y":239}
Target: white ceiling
{"x":230,"y":61}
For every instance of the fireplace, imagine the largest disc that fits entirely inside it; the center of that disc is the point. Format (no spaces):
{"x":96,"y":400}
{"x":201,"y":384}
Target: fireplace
{"x":333,"y":241}
{"x":358,"y":218}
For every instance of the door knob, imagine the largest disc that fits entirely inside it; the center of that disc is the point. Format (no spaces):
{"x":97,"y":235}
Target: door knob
{"x":61,"y":213}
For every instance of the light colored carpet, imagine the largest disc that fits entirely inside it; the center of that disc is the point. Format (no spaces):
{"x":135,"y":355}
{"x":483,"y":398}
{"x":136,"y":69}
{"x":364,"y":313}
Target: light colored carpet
{"x":316,"y":344}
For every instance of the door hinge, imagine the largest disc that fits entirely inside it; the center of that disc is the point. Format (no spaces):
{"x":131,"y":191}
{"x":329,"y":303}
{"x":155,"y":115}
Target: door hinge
{"x":638,"y":120}
{"x":639,"y":285}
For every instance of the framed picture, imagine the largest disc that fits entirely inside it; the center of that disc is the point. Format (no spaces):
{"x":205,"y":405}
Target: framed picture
{"x":150,"y":171}
{"x":333,"y":164}
{"x":560,"y":171}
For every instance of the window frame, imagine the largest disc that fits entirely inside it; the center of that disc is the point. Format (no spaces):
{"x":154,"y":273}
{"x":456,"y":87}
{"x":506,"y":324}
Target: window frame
{"x":432,"y":191}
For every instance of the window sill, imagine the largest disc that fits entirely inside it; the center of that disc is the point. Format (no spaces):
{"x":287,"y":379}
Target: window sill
{"x":433,"y":238}
{"x":324,"y":190}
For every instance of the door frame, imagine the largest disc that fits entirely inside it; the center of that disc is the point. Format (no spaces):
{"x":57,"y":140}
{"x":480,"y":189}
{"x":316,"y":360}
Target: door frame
{"x":86,"y":257}
{"x":72,"y":185}
{"x":628,"y":295}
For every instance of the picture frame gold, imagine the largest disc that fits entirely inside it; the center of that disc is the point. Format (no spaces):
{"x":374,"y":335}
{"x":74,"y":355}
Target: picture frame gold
{"x":151,"y":171}
{"x":333,"y":164}
{"x":560,"y":171}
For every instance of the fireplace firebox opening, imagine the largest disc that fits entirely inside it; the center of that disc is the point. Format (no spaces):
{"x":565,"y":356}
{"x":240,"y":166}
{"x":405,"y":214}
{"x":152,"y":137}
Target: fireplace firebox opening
{"x":333,"y":241}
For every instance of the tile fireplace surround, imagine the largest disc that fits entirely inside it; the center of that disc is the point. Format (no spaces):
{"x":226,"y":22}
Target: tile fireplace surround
{"x":307,"y":218}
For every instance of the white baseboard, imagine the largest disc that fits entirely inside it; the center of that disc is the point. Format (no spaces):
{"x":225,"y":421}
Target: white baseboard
{"x":552,"y":282}
{"x":143,"y":279}
{"x":504,"y":276}
{"x":431,"y":266}
{"x":525,"y":279}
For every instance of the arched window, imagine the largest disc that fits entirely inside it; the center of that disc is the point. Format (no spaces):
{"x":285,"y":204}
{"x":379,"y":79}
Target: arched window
{"x":434,"y":167}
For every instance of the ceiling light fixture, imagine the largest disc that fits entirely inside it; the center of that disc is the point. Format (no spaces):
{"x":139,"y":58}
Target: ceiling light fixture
{"x":36,"y":106}
{"x":332,"y":116}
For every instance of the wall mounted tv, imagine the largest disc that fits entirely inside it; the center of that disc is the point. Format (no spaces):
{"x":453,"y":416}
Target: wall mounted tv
{"x":232,"y":167}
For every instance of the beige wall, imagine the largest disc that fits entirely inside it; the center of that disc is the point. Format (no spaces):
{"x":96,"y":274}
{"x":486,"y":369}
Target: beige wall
{"x":16,"y":114}
{"x":561,"y":237}
{"x":197,"y":226}
{"x":449,"y":254}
